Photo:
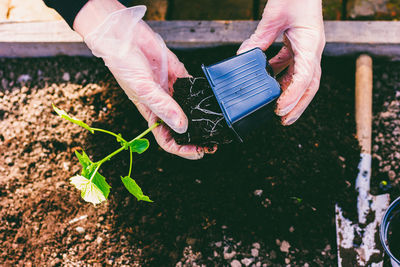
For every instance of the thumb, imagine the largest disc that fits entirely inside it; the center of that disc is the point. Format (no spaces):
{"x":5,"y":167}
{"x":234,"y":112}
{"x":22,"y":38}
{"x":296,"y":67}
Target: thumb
{"x":267,"y":31}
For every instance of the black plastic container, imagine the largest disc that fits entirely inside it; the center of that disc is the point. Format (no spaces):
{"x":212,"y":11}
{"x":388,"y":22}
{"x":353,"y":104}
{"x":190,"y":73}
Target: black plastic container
{"x":244,"y":90}
{"x":389,"y":230}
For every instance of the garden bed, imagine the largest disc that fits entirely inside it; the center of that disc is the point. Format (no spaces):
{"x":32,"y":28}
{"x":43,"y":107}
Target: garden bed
{"x":267,"y":201}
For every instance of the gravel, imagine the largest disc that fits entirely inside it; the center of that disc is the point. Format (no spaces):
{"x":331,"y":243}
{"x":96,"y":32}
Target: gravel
{"x":386,"y":129}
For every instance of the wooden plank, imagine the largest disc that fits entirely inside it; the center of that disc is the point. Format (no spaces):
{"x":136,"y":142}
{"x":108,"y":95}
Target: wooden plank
{"x":3,"y":9}
{"x":35,"y":39}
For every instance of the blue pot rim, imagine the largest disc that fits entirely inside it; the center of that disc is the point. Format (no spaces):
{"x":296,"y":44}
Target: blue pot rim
{"x":393,"y":207}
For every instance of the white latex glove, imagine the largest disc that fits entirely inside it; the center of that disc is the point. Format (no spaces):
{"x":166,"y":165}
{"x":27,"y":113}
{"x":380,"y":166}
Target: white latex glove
{"x":146,"y":69}
{"x":304,"y":39}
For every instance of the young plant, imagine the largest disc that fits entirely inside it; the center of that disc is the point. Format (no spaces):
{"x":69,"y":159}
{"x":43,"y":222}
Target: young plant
{"x":93,"y":186}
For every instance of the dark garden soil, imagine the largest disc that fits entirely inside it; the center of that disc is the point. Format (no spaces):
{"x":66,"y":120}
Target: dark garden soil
{"x":207,"y":125}
{"x":386,"y":129}
{"x":386,"y":137}
{"x":268,"y":201}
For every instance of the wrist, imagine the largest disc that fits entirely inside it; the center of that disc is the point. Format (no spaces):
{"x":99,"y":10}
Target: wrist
{"x":93,"y":13}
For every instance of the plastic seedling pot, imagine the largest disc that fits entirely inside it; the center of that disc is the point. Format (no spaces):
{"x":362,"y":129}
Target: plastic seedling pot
{"x":390,"y":232}
{"x":244,"y":90}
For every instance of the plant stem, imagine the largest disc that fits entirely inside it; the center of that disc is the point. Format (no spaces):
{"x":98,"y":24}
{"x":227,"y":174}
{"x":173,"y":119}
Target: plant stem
{"x":94,"y":173}
{"x":130,"y":162}
{"x":130,"y":142}
{"x":108,"y":132}
{"x":145,"y":132}
{"x":111,"y":155}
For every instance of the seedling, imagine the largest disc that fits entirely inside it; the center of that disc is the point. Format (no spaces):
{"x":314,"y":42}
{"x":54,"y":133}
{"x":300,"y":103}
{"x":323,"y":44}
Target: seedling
{"x":93,"y":186}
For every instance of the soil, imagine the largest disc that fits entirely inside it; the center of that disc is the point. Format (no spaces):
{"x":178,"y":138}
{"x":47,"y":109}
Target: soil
{"x":386,"y":130}
{"x":268,"y":201}
{"x":207,"y":125}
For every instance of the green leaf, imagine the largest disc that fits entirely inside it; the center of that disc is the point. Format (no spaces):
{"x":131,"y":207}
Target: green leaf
{"x":88,"y":169}
{"x":90,"y":192}
{"x":101,"y":183}
{"x":87,"y":164}
{"x":134,"y":189}
{"x":139,"y":145}
{"x":64,"y":115}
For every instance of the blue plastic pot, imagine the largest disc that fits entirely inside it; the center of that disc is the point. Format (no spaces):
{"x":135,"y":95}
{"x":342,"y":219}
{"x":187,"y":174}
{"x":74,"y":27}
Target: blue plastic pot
{"x":244,"y":90}
{"x":391,"y":212}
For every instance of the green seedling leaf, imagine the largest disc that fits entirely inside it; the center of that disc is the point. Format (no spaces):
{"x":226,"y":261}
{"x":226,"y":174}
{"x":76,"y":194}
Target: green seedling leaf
{"x":90,"y":189}
{"x":134,"y":189}
{"x":64,"y":115}
{"x":87,"y":164}
{"x":101,"y":183}
{"x":90,"y":192}
{"x":139,"y":145}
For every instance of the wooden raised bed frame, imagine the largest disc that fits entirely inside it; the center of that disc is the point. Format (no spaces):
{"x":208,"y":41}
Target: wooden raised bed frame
{"x":42,"y":39}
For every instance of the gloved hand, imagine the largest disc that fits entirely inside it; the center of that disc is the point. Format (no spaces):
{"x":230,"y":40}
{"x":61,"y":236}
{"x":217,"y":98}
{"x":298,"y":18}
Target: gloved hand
{"x":146,"y":69}
{"x":304,"y":40}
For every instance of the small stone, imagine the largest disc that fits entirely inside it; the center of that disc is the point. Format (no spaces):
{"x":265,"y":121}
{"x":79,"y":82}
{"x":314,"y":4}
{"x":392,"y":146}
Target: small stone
{"x":236,"y":263}
{"x":287,"y":260}
{"x":291,"y":229}
{"x":99,"y":240}
{"x":24,"y":89}
{"x":254,"y":252}
{"x":256,"y":245}
{"x":391,"y":175}
{"x":66,"y":166}
{"x":258,"y":192}
{"x":66,"y":77}
{"x":78,"y":76}
{"x":9,"y":161}
{"x":246,"y":261}
{"x":285,"y":246}
{"x":24,"y":78}
{"x":228,"y":256}
{"x":56,"y":262}
{"x":4,"y":84}
{"x":218,"y":244}
{"x":386,"y":168}
{"x":80,"y":229}
{"x":89,"y":237}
